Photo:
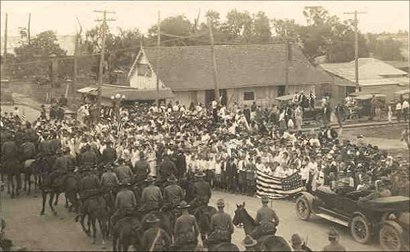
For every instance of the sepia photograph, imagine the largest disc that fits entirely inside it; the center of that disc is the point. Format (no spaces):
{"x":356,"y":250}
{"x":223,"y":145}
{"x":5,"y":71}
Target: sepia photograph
{"x":204,"y":126}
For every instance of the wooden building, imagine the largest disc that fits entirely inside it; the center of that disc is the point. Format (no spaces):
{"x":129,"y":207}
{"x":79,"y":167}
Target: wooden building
{"x":245,"y":73}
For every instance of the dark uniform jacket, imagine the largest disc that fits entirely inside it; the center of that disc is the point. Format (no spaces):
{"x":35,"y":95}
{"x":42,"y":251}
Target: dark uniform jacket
{"x":141,"y":168}
{"x":31,"y":135}
{"x":109,"y":180}
{"x":55,"y":144}
{"x":151,"y":197}
{"x":124,"y":173}
{"x":125,"y":199}
{"x":44,"y":147}
{"x":266,"y":214}
{"x":9,"y":150}
{"x":186,"y":228}
{"x":181,"y":165}
{"x":109,"y":155}
{"x":62,"y":163}
{"x":167,"y":168}
{"x":221,"y":221}
{"x":89,"y":157}
{"x":27,"y":150}
{"x":89,"y":184}
{"x":202,"y":189}
{"x":149,"y":240}
{"x":173,"y":194}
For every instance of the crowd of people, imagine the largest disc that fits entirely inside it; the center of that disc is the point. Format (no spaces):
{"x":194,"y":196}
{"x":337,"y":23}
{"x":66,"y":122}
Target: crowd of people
{"x":217,"y":147}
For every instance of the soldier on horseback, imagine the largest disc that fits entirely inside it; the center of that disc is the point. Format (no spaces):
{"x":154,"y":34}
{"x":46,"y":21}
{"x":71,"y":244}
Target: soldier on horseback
{"x":125,"y":203}
{"x":88,"y":157}
{"x":221,"y":226}
{"x":266,"y":219}
{"x":155,"y":238}
{"x":123,"y":171}
{"x":202,"y":192}
{"x":151,"y":197}
{"x":89,"y":185}
{"x":173,"y":193}
{"x":109,"y":155}
{"x":186,"y":228}
{"x":141,"y":168}
{"x":166,"y":168}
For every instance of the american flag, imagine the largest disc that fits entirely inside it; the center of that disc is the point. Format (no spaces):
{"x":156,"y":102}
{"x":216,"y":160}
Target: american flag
{"x":277,"y":188}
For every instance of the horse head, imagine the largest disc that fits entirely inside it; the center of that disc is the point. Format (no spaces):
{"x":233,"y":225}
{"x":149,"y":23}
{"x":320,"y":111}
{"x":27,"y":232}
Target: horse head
{"x":242,"y":216}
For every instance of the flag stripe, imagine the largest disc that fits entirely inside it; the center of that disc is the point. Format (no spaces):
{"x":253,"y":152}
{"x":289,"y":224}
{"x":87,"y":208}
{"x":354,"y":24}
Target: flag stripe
{"x":277,"y":188}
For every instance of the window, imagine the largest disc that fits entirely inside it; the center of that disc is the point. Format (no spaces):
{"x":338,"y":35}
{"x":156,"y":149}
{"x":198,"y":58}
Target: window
{"x":144,"y":70}
{"x":248,"y":96}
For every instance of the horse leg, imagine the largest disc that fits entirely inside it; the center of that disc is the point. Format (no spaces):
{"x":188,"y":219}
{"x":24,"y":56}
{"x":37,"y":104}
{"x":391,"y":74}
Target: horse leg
{"x":50,"y":202}
{"x":66,"y":201}
{"x":56,"y":201}
{"x":29,"y":183}
{"x":114,"y":242}
{"x":18,"y":181}
{"x":44,"y":196}
{"x":93,"y":225}
{"x":10,"y":179}
{"x":103,"y":228}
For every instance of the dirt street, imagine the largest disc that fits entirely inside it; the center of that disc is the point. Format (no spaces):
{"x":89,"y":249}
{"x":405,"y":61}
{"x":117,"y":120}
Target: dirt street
{"x":34,"y":232}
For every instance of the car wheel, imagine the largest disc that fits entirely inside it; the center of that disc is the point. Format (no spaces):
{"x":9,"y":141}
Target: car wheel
{"x":360,"y":229}
{"x":303,"y":209}
{"x":390,"y":238}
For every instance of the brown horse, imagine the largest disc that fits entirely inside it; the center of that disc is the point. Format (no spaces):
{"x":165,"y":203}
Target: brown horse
{"x":269,"y":242}
{"x":95,"y":207}
{"x":203,"y":216}
{"x":28,"y":172}
{"x":127,"y":231}
{"x":12,"y":169}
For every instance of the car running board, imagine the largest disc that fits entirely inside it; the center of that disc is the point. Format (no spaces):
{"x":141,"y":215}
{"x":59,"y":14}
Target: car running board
{"x":333,"y":219}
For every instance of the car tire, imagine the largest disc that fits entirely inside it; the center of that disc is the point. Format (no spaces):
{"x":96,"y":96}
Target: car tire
{"x":303,"y":209}
{"x":390,"y":238}
{"x":359,"y":229}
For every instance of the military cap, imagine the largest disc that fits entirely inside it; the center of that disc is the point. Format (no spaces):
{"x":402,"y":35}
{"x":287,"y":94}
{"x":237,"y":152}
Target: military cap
{"x":152,"y":219}
{"x":249,"y":241}
{"x":265,"y":199}
{"x":296,"y":239}
{"x":220,"y":203}
{"x":183,"y":205}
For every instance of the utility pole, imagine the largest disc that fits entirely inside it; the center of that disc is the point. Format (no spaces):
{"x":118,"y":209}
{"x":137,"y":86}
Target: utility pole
{"x":3,"y":65}
{"x":28,"y":28}
{"x":104,"y":28}
{"x":74,"y":82}
{"x":215,"y":75}
{"x":356,"y":46}
{"x":158,"y":55}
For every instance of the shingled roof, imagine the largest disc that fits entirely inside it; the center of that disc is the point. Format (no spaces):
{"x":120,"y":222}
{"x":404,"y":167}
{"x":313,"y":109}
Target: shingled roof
{"x":190,"y":68}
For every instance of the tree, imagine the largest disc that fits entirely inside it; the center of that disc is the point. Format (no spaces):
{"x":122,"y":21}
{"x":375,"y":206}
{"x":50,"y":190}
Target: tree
{"x":388,"y":49}
{"x":175,"y":31}
{"x":286,"y":28}
{"x":238,"y":27}
{"x":261,"y":28}
{"x":39,"y":51}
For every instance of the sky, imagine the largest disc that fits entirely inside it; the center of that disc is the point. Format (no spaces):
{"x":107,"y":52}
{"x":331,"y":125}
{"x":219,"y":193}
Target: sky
{"x":60,"y":16}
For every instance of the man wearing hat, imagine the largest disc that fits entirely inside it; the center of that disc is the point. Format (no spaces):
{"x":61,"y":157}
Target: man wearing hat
{"x":151,"y":197}
{"x":88,"y":157}
{"x":109,"y":179}
{"x":154,"y":238}
{"x":266,"y":219}
{"x":186,"y":229}
{"x":173,"y":193}
{"x":201,"y":191}
{"x":141,"y":167}
{"x":167,"y":168}
{"x":221,"y":226}
{"x":109,"y":155}
{"x":125,"y":203}
{"x":297,"y":244}
{"x":249,"y":243}
{"x":334,"y":243}
{"x":123,"y":171}
{"x":89,"y":184}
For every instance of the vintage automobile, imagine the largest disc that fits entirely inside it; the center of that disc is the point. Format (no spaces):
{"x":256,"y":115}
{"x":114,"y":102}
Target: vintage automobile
{"x":387,"y":218}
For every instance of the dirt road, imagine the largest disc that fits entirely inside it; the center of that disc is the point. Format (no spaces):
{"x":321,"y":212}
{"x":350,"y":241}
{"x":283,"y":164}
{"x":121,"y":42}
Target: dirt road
{"x":34,"y":232}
